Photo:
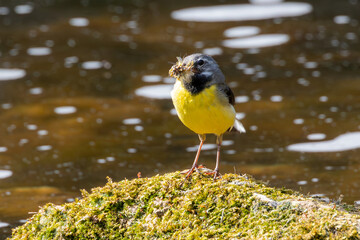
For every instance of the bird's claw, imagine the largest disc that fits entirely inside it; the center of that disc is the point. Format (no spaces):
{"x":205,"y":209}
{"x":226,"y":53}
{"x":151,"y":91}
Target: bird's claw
{"x":216,"y":174}
{"x":200,"y":169}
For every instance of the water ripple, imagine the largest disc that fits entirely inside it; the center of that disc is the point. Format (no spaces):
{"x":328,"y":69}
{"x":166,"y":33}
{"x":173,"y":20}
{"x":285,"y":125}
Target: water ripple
{"x":5,"y":174}
{"x":39,"y":51}
{"x":242,"y":31}
{"x":79,"y":22}
{"x":161,"y":91}
{"x":344,"y":142}
{"x":11,"y":74}
{"x":242,"y":12}
{"x":65,"y":110}
{"x":259,"y":41}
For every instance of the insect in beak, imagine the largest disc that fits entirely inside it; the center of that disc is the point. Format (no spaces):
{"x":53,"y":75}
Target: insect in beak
{"x":179,"y":68}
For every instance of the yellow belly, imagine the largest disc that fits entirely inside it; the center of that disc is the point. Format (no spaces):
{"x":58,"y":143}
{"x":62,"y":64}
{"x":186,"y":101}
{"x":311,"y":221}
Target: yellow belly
{"x":205,"y":112}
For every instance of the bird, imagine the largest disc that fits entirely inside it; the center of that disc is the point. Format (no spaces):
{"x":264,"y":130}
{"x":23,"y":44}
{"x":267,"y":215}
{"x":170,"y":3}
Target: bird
{"x":203,"y":101}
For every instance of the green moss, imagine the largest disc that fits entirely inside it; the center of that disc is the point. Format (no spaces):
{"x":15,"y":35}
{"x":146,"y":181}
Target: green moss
{"x":234,"y":207}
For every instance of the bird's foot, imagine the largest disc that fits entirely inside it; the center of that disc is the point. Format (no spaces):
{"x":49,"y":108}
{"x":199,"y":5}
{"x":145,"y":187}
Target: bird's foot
{"x":188,"y":173}
{"x":215,"y":173}
{"x":198,"y":169}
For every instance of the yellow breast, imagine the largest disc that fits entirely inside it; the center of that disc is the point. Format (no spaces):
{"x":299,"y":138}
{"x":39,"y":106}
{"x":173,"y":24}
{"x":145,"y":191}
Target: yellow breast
{"x":205,"y":112}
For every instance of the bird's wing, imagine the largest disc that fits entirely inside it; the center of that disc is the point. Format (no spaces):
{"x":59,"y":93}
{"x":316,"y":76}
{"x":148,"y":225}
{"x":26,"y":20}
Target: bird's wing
{"x":224,"y":89}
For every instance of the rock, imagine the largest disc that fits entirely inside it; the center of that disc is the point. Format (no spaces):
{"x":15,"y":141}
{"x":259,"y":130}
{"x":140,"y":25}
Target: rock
{"x":233,"y":207}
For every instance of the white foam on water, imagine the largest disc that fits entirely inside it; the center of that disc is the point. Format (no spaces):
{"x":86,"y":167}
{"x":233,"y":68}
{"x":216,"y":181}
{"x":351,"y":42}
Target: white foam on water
{"x":101,"y":161}
{"x":63,"y":110}
{"x":344,"y":142}
{"x":316,"y":136}
{"x":342,"y":19}
{"x":132,"y":150}
{"x":3,"y":149}
{"x":209,"y":146}
{"x":242,"y":31}
{"x":241,"y":99}
{"x":42,"y":132}
{"x":303,"y":82}
{"x":23,"y":9}
{"x":303,"y":182}
{"x":3,"y":224}
{"x":139,"y":128}
{"x":253,"y":128}
{"x":5,"y":174}
{"x":31,"y":127}
{"x":169,"y":80}
{"x":23,"y":141}
{"x":132,"y":121}
{"x":4,"y":11}
{"x":276,"y":98}
{"x":230,"y":152}
{"x":212,"y":51}
{"x":242,"y":12}
{"x":199,"y":44}
{"x":311,"y":65}
{"x":43,"y":148}
{"x":323,"y":99}
{"x":258,"y":41}
{"x":151,"y":78}
{"x":92,"y":65}
{"x":206,"y":146}
{"x":38,"y":51}
{"x":249,"y":71}
{"x":71,"y":60}
{"x":227,"y":142}
{"x":161,"y":91}
{"x":79,"y":22}
{"x":241,"y":66}
{"x":265,"y":1}
{"x":315,"y":180}
{"x":6,"y":105}
{"x":298,"y":121}
{"x":36,"y":91}
{"x":11,"y":74}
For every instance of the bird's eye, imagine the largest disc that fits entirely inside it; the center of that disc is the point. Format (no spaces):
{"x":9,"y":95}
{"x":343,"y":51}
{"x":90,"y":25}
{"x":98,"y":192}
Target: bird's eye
{"x":200,"y":62}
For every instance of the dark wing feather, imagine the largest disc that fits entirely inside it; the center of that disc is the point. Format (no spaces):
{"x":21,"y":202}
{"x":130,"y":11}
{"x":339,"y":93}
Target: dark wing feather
{"x":223,"y":88}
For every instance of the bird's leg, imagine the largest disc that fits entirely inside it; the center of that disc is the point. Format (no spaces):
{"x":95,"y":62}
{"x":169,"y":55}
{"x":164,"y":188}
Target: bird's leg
{"x":202,"y":138}
{"x":216,"y":170}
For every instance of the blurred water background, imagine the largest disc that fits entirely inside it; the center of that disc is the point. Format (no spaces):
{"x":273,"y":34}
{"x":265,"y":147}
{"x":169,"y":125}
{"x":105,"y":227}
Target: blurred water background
{"x":84,"y":94}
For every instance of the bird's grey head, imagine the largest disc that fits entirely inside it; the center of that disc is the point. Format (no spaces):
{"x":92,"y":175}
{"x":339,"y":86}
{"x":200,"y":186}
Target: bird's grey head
{"x":204,"y":65}
{"x":197,"y":71}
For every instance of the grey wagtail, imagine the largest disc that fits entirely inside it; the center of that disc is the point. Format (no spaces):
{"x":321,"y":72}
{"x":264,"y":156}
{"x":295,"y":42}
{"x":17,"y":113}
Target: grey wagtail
{"x":203,"y":101}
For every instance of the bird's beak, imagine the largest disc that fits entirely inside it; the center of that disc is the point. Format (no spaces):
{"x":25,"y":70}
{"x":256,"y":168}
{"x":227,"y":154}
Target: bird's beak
{"x":180,"y":68}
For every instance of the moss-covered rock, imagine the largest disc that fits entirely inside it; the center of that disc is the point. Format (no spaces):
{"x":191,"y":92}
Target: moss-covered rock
{"x":233,"y":207}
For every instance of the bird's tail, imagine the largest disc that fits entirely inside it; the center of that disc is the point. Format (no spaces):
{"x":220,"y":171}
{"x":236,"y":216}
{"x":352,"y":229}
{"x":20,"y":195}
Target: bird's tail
{"x":239,"y":126}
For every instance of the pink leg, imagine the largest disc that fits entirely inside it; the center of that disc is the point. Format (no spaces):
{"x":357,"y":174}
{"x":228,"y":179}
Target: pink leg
{"x":216,"y":170}
{"x":194,"y":166}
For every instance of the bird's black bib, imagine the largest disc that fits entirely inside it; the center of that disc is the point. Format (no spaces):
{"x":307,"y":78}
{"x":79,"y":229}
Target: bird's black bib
{"x":198,"y":83}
